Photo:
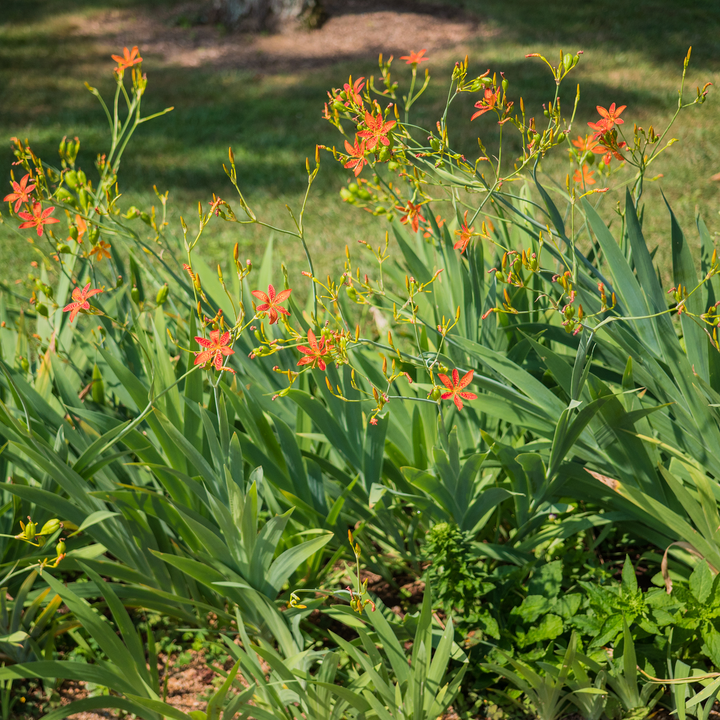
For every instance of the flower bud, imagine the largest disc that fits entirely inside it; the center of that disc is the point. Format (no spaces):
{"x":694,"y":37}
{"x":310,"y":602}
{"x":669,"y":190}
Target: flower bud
{"x":64,"y":195}
{"x":50,"y":527}
{"x":162,"y":294}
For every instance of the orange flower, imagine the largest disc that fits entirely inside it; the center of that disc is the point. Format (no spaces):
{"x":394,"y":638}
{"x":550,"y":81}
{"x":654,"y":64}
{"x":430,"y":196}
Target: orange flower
{"x":377,"y":130}
{"x":314,"y":354}
{"x":356,"y":156}
{"x":81,"y":226}
{"x":20,"y":193}
{"x":37,"y":218}
{"x":456,"y":386}
{"x":465,"y":234}
{"x":80,"y":298}
{"x":489,"y":102}
{"x":100,"y":250}
{"x":353,"y":90}
{"x":608,"y":119}
{"x":412,"y":215}
{"x":414,"y":58}
{"x":214,"y":350}
{"x":127,"y":59}
{"x":440,"y":222}
{"x":585,"y":177}
{"x":585,"y":144}
{"x":271,"y":302}
{"x":611,"y":148}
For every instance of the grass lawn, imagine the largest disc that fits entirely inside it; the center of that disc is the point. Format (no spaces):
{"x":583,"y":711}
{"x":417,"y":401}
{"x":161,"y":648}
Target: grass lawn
{"x":632,"y":55}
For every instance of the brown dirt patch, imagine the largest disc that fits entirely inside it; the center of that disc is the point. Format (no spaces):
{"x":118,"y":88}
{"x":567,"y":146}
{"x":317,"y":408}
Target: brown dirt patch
{"x":354,"y":29}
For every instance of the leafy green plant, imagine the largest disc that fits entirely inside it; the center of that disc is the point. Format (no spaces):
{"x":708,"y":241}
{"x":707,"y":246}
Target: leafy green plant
{"x":387,"y":683}
{"x":458,"y":578}
{"x":546,"y":694}
{"x":636,"y":699}
{"x":141,"y":412}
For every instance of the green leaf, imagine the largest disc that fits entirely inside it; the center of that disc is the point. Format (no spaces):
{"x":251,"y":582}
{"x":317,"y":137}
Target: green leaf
{"x":69,"y":670}
{"x":160,"y":707}
{"x":629,"y":580}
{"x":547,"y":580}
{"x":701,"y":582}
{"x":93,"y":519}
{"x":102,"y":702}
{"x":289,"y":561}
{"x":685,"y":274}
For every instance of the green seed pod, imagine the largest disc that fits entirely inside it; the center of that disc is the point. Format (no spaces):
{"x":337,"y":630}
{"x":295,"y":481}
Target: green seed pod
{"x":83,"y":198}
{"x":24,"y":363}
{"x":82,"y":179}
{"x":436,"y":393}
{"x":568,"y":61}
{"x":385,"y":153}
{"x":63,"y":249}
{"x":98,"y":386}
{"x":42,"y":309}
{"x":135,"y":295}
{"x":560,"y":137}
{"x":393,"y":166}
{"x":50,"y":527}
{"x":346,"y":195}
{"x":30,"y":530}
{"x":61,"y":548}
{"x":162,"y":295}
{"x":363,"y":194}
{"x":71,"y":179}
{"x":64,"y":195}
{"x":353,"y":188}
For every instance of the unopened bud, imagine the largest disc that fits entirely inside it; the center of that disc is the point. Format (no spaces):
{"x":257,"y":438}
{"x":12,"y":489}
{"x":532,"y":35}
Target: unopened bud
{"x":162,"y":294}
{"x":50,"y":527}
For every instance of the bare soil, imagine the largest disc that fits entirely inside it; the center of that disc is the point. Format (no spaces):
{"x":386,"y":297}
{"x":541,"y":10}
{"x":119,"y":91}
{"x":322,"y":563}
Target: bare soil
{"x":354,"y":29}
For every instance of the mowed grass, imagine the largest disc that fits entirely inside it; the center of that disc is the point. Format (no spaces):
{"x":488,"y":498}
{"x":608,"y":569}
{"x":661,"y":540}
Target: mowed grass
{"x":632,"y":56}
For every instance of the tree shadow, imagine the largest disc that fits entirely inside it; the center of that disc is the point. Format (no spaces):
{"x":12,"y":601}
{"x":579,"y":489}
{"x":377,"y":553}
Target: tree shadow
{"x":662,"y":30}
{"x":273,"y":123}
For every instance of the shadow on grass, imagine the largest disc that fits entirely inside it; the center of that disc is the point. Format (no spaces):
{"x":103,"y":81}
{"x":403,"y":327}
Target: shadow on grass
{"x":662,"y":30}
{"x":273,"y":121}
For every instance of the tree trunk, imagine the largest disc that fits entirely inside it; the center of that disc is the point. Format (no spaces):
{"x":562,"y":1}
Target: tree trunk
{"x":260,"y":13}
